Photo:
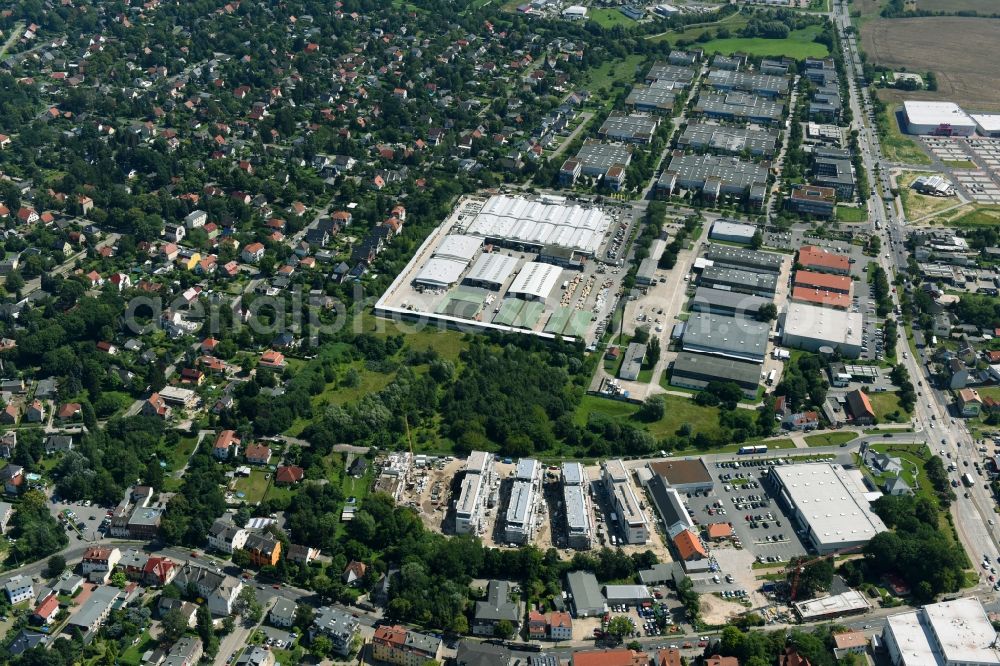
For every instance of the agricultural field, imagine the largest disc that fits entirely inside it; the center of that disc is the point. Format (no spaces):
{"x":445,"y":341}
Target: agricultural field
{"x":916,"y":205}
{"x":941,"y":45}
{"x":798,"y":45}
{"x":984,"y":7}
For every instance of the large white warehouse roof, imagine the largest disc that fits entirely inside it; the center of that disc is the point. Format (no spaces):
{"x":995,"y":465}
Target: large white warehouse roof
{"x":440,"y":272}
{"x":936,"y":113}
{"x":459,"y":246}
{"x":535,"y":280}
{"x":830,"y":501}
{"x":493,"y":269}
{"x":823,"y":324}
{"x":538,"y":223}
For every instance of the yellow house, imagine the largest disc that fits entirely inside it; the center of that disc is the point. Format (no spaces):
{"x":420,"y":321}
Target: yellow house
{"x":192,"y":261}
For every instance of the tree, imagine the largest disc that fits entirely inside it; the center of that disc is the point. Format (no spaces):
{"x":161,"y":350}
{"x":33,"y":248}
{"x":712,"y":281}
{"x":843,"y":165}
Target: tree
{"x":118,"y":579}
{"x":321,"y":646}
{"x":620,"y":626}
{"x":247,"y":606}
{"x":653,"y":409}
{"x":503,"y":629}
{"x":206,"y":629}
{"x":767,"y":312}
{"x":55,"y":566}
{"x":173,"y":625}
{"x":757,"y":241}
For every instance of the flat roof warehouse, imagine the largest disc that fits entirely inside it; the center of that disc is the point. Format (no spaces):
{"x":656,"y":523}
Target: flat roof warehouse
{"x":548,"y":221}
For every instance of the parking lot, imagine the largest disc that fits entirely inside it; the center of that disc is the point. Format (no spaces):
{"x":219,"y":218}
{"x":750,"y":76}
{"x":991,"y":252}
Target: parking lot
{"x":761,"y":531}
{"x":275,"y":637}
{"x":90,"y":517}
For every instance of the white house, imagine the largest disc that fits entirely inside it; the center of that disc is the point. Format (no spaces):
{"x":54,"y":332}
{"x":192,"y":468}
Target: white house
{"x":19,"y":588}
{"x":196,"y":219}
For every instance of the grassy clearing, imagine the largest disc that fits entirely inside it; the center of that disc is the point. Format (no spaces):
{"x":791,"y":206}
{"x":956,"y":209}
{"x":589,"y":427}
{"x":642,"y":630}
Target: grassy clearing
{"x":798,"y":45}
{"x":609,"y":18}
{"x":449,"y":344}
{"x":830,"y":438}
{"x":885,"y":404}
{"x":978,"y":216}
{"x":605,"y":76}
{"x":851,"y":214}
{"x":916,"y":205}
{"x":897,"y":146}
{"x":692,"y":32}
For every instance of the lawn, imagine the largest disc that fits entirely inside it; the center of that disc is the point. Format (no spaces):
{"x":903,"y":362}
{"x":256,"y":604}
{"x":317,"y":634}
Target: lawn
{"x":830,"y":438}
{"x":916,"y":205}
{"x":959,"y":164}
{"x":609,"y":18}
{"x":798,"y":45}
{"x":852,"y":214}
{"x":253,"y":486}
{"x":897,"y":146}
{"x":133,"y":655}
{"x":885,"y":404}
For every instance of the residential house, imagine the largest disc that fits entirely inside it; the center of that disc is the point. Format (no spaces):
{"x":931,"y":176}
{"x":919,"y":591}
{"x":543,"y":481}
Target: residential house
{"x":92,"y":613}
{"x":252,"y":253}
{"x":218,"y":590}
{"x":689,"y":546}
{"x":258,"y":454}
{"x":538,"y":626}
{"x":560,"y":626}
{"x":801,"y":421}
{"x":288,"y":475}
{"x":69,"y":411}
{"x":716,"y":660}
{"x":496,"y":607}
{"x":156,"y":406}
{"x":337,"y":625}
{"x":398,"y":645}
{"x":886,"y":464}
{"x":227,"y":445}
{"x":6,"y":513}
{"x":10,"y":414}
{"x":860,"y":407}
{"x":282,"y":613}
{"x":158,"y":571}
{"x":850,"y":642}
{"x":264,"y":549}
{"x":46,"y":611}
{"x":99,"y":558}
{"x":255,"y":656}
{"x":12,"y":477}
{"x":58,"y":444}
{"x":187,"y":651}
{"x":969,"y":402}
{"x":8,"y":444}
{"x":301,"y":554}
{"x":354,"y":572}
{"x":226,"y":537}
{"x":668,"y":657}
{"x":609,"y":657}
{"x":19,"y":588}
{"x":272,"y":359}
{"x":35,"y":413}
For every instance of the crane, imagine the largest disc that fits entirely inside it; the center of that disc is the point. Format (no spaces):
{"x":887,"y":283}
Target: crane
{"x":797,"y":568}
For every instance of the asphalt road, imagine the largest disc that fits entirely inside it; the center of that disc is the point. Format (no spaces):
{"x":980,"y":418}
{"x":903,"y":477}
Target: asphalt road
{"x":933,"y":415}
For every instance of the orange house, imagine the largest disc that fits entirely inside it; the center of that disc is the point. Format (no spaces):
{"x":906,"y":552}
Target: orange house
{"x":264,"y":549}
